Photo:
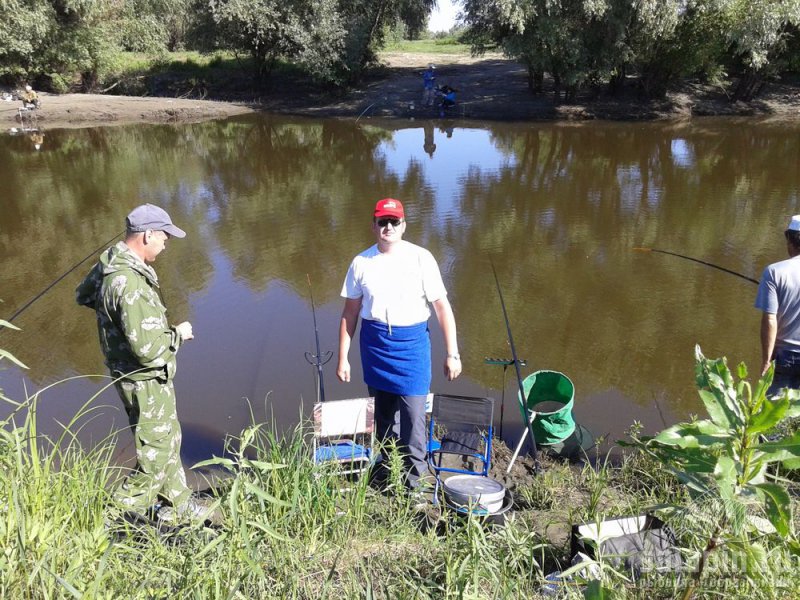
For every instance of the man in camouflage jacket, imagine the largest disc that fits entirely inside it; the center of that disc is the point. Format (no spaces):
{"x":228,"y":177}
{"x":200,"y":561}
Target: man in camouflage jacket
{"x":140,"y":347}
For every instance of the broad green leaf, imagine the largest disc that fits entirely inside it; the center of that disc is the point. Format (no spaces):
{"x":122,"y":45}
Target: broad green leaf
{"x":726,"y":473}
{"x":764,"y":382}
{"x":696,"y":460}
{"x":741,"y":369}
{"x":693,"y":435}
{"x":791,"y":464}
{"x":716,"y":410}
{"x":757,"y":471}
{"x":696,"y":484}
{"x":771,"y":413}
{"x":714,"y":377}
{"x":778,"y":505}
{"x":784,"y":449}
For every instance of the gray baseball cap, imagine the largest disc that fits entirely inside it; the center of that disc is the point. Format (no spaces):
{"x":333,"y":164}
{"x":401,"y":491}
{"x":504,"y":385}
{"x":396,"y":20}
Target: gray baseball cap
{"x":149,"y":216}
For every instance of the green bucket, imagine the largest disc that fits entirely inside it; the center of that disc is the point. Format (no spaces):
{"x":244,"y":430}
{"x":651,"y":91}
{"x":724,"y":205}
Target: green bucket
{"x":552,"y":395}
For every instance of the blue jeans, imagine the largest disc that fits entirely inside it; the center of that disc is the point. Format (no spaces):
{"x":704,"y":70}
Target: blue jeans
{"x":787,"y":372}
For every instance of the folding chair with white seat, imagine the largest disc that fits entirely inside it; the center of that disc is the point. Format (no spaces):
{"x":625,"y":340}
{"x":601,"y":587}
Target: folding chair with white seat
{"x":344,"y":433}
{"x":466,"y":424}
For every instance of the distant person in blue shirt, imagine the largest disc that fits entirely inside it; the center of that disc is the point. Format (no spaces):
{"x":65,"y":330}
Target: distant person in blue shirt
{"x":448,"y":98}
{"x":428,"y":85}
{"x":779,"y":299}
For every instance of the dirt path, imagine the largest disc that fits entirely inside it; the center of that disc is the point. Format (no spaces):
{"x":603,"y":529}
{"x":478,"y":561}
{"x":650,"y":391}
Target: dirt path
{"x":489,"y":88}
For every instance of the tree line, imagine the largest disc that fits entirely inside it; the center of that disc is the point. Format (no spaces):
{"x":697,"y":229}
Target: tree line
{"x":580,"y":44}
{"x":594,"y":43}
{"x":64,"y":43}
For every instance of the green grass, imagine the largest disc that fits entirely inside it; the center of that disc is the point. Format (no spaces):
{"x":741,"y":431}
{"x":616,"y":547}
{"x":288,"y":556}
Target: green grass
{"x":288,"y":529}
{"x":429,"y":46}
{"x":139,"y":61}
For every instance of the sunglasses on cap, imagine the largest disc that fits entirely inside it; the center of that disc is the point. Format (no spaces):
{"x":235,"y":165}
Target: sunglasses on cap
{"x":393,"y":221}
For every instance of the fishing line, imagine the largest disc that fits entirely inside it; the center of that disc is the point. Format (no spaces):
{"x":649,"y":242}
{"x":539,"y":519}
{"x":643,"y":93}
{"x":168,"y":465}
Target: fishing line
{"x":697,"y":260}
{"x":49,"y":287}
{"x":526,"y":419}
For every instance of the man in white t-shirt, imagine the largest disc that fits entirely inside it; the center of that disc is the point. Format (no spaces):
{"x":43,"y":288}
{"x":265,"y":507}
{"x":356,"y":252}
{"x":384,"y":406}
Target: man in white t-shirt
{"x":392,"y":287}
{"x":779,"y":299}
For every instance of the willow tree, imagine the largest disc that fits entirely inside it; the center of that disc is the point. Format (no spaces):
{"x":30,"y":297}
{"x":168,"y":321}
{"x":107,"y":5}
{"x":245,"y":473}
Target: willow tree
{"x":573,"y":40}
{"x":759,"y":29}
{"x":63,"y":40}
{"x":367,"y":23}
{"x":154,"y":25}
{"x":309,"y":32}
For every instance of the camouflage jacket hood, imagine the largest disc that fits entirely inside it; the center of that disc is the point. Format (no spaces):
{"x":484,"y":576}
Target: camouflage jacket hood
{"x":135,"y":336}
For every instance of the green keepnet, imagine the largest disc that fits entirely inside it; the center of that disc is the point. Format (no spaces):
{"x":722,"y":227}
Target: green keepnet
{"x":554,"y":395}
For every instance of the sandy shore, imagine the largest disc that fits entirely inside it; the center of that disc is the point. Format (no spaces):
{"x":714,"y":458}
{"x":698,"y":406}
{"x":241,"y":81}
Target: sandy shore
{"x":489,"y":88}
{"x":90,"y":110}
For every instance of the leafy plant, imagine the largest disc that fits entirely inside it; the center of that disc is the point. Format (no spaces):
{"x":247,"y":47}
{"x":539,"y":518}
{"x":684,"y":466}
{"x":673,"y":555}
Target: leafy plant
{"x":725,"y":456}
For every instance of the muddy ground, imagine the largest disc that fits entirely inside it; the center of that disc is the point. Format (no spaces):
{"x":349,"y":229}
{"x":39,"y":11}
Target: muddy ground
{"x":489,"y":88}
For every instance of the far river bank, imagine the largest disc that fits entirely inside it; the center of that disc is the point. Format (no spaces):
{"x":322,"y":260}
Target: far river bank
{"x":490,"y":88}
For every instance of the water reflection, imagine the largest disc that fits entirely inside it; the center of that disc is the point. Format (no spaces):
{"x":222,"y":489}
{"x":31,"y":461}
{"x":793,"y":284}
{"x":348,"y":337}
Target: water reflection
{"x":266,"y":201}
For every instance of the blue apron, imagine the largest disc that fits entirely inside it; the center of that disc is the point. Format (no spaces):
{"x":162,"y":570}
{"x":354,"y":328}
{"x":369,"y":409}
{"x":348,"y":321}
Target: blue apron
{"x":397,"y":359}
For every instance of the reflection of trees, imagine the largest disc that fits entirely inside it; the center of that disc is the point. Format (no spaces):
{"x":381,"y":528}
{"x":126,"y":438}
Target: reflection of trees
{"x":560,"y":225}
{"x":290,"y":196}
{"x":283,"y":198}
{"x":62,"y":202}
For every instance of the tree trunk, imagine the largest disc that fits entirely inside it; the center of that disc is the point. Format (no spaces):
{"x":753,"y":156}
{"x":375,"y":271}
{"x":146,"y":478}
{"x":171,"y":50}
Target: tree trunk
{"x":750,"y":84}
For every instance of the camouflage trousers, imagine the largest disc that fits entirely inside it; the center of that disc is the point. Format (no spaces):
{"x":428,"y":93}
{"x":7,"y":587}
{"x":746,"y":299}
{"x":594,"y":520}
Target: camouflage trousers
{"x":154,"y":422}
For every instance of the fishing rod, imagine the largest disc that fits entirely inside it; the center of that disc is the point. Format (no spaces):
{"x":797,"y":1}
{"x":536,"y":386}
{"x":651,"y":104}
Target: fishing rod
{"x":525,"y":418}
{"x":75,"y":266}
{"x":317,"y":359}
{"x":702,"y":262}
{"x":506,"y":362}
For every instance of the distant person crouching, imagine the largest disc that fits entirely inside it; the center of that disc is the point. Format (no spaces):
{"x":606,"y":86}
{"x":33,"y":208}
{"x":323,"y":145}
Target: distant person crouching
{"x":30,"y":99}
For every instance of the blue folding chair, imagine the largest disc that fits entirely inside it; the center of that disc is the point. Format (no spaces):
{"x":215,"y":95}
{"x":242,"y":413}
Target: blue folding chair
{"x":344,"y":434}
{"x":460,"y":425}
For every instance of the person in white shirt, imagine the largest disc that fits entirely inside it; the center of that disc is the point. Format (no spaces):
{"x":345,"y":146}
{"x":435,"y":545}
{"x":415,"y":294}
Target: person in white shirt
{"x":392,"y":286}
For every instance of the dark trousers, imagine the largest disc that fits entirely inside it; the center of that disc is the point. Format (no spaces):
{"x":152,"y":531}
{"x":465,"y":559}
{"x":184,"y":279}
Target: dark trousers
{"x":787,"y":372}
{"x":402,"y":418}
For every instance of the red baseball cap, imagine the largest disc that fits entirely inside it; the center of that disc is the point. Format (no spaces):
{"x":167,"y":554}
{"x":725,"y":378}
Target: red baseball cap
{"x":389,"y":207}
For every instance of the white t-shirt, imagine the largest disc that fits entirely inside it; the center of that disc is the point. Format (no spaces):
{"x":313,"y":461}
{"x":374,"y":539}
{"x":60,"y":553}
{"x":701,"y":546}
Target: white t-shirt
{"x":395,"y":287}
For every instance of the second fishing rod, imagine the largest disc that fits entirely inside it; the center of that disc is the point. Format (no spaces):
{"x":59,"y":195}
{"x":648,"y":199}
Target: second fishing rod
{"x":319,"y":359}
{"x":526,"y":419}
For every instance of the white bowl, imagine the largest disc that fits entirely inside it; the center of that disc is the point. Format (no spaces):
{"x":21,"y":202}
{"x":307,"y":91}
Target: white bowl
{"x":482,"y":493}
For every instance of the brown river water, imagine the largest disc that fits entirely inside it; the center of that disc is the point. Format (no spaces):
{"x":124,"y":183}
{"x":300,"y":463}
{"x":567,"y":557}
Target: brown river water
{"x":266,"y":201}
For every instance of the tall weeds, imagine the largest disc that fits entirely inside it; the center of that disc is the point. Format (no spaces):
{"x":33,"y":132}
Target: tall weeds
{"x":290,"y":529}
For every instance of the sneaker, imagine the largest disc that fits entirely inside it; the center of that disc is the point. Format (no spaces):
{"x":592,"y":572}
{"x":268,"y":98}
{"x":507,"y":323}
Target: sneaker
{"x":194,"y":510}
{"x":421,"y":496}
